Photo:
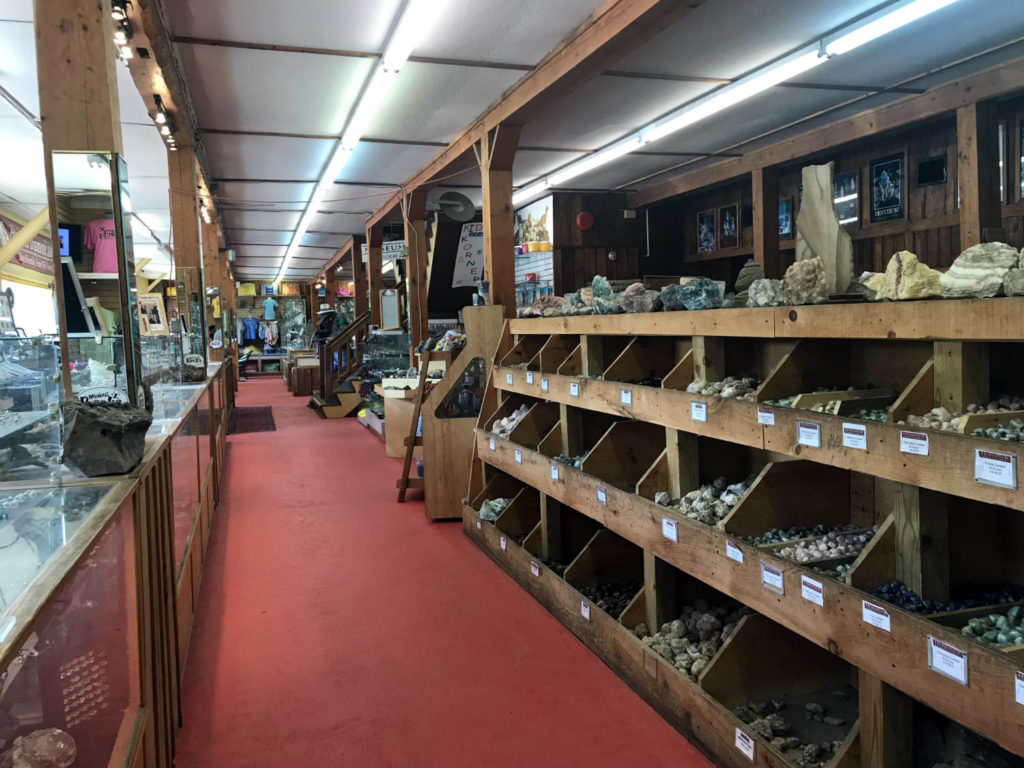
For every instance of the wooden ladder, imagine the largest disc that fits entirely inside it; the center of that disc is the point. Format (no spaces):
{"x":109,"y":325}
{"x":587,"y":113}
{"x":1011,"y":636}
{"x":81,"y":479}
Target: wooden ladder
{"x":405,"y":482}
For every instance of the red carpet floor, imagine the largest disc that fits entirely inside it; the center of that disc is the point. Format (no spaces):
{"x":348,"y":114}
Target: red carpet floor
{"x":339,"y":628}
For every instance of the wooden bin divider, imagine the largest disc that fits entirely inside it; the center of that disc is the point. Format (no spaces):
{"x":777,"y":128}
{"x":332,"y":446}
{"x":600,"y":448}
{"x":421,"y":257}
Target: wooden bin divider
{"x":636,"y":611}
{"x":499,"y":486}
{"x":522,"y":515}
{"x":972,"y":421}
{"x":917,"y":397}
{"x":524,"y":351}
{"x":551,"y":444}
{"x":509,"y":405}
{"x":534,"y":541}
{"x":656,"y":478}
{"x":607,"y":557}
{"x":647,"y":357}
{"x":555,"y":351}
{"x":573,"y":363}
{"x":681,"y":375}
{"x":624,"y":454}
{"x":535,"y":425}
{"x":860,"y":398}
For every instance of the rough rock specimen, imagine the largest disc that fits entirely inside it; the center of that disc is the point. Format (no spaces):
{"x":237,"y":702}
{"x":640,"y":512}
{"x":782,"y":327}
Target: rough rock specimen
{"x":865,"y":285}
{"x":636,"y":299}
{"x":1013,"y":283}
{"x":542,"y":304}
{"x":690,"y":642}
{"x":765,"y":293}
{"x":701,"y":293}
{"x":960,"y":598}
{"x":818,"y":231}
{"x":907,"y":278}
{"x":46,"y":748}
{"x":104,"y":439}
{"x":612,"y":598}
{"x":833,"y":544}
{"x":712,"y":502}
{"x":672,"y":298}
{"x":998,"y":628}
{"x":805,"y":282}
{"x":730,"y":388}
{"x":979,"y":271}
{"x":608,"y":305}
{"x":491,"y":508}
{"x":751,"y":271}
{"x":504,"y":426}
{"x":600,"y":287}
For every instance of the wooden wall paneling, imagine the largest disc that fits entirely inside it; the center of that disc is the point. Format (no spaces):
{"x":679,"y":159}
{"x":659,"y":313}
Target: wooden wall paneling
{"x":978,"y":169}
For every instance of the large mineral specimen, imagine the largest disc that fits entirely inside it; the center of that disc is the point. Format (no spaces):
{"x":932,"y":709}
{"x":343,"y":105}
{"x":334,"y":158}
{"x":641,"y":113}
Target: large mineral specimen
{"x":608,"y":305}
{"x":819,"y":235}
{"x":104,"y":439}
{"x":1013,"y":283}
{"x":46,"y":748}
{"x":907,"y":278}
{"x":601,"y":286}
{"x":805,"y":283}
{"x":671,"y":297}
{"x":636,"y":299}
{"x":979,"y":271}
{"x":701,"y":293}
{"x":765,"y":293}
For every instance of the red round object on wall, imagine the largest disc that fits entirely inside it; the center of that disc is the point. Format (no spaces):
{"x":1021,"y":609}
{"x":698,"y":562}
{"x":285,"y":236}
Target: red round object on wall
{"x":585,"y":220}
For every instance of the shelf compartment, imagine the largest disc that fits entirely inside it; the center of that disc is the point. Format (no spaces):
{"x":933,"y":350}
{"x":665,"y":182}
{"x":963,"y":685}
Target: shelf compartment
{"x":847,"y":401}
{"x":535,"y":425}
{"x":509,"y":405}
{"x":552,"y":444}
{"x":719,"y":358}
{"x":681,"y":375}
{"x":555,"y":351}
{"x":534,"y":541}
{"x":607,"y":559}
{"x":624,"y":454}
{"x":573,"y":364}
{"x":656,"y":478}
{"x":647,"y":358}
{"x":521,"y":516}
{"x":523,"y":352}
{"x":499,"y":485}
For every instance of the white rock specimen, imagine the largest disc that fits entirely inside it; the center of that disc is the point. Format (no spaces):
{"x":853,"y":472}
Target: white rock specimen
{"x":979,"y":271}
{"x":503,"y":427}
{"x":907,"y":278}
{"x":730,"y":388}
{"x":1013,"y":283}
{"x":818,"y":231}
{"x":765,"y":293}
{"x":805,"y":282}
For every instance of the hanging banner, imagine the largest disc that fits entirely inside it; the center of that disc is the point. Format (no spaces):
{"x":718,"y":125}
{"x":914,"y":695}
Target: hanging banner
{"x":36,"y":255}
{"x":469,"y":259}
{"x":389,"y":251}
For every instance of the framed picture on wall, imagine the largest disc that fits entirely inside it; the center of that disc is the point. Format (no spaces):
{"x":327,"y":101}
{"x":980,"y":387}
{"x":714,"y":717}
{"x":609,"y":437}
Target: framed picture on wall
{"x":786,"y":218}
{"x":152,"y":318}
{"x":728,"y":227}
{"x":887,"y":188}
{"x":705,"y":231}
{"x":847,"y":200}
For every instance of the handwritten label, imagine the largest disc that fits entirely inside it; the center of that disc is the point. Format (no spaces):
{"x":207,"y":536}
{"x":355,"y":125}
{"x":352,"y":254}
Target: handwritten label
{"x":993,"y":468}
{"x":626,"y":398}
{"x":669,"y":529}
{"x":554,"y":472}
{"x":1018,"y":687}
{"x":529,"y":377}
{"x":504,"y":542}
{"x":699,"y":411}
{"x":771,"y":578}
{"x":491,"y":442}
{"x":193,"y":361}
{"x":534,"y":568}
{"x":812,"y":590}
{"x":855,"y":436}
{"x":585,"y":609}
{"x":875,"y":615}
{"x":544,"y":384}
{"x":574,"y":389}
{"x":914,"y":442}
{"x":508,"y":379}
{"x":602,"y":496}
{"x":733,"y":552}
{"x":808,"y":433}
{"x":519,"y":456}
{"x":745,"y":744}
{"x":766,"y":415}
{"x":947,"y":660}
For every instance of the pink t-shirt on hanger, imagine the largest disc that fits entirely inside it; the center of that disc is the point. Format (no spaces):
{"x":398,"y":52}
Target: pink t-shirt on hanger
{"x":101,"y":238}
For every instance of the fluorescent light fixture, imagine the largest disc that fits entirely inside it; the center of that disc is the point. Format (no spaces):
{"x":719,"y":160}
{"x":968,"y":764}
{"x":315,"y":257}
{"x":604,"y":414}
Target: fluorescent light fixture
{"x":416,"y":19}
{"x":389,"y":266}
{"x":369,"y":103}
{"x":161,"y":117}
{"x":528,"y":193}
{"x":845,"y":198}
{"x":596,"y":160}
{"x":883,"y":23}
{"x":338,"y":160}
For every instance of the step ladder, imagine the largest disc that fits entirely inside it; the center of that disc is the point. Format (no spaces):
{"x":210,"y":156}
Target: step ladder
{"x":413,"y":440}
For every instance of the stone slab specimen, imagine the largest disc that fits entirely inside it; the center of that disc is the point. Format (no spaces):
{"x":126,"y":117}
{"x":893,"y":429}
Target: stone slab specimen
{"x":104,"y":439}
{"x":907,"y":278}
{"x":818,"y":231}
{"x":765,"y":293}
{"x":979,"y":271}
{"x":1013,"y":283}
{"x":750,"y":272}
{"x":636,"y":299}
{"x":806,"y":282}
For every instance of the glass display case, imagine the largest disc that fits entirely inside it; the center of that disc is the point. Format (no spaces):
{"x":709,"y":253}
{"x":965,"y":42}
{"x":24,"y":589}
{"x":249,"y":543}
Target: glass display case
{"x":161,"y":359}
{"x":96,"y":365}
{"x":385,"y":354}
{"x":296,"y":329}
{"x":30,"y":389}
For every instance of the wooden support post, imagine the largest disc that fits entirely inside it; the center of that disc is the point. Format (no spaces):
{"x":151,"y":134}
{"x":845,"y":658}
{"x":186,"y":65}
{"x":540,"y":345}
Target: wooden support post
{"x":24,"y":236}
{"x":361,"y":300}
{"x":659,"y":592}
{"x":551,"y":528}
{"x":593,"y":355}
{"x":571,"y":424}
{"x":961,"y":374}
{"x":683,"y":462}
{"x":416,"y":264}
{"x":886,"y":725}
{"x":921,"y":520}
{"x":495,"y":153}
{"x":709,"y":358}
{"x":765,"y":185}
{"x":374,"y":265}
{"x":977,"y":150}
{"x":330,"y":284}
{"x":181,"y":170}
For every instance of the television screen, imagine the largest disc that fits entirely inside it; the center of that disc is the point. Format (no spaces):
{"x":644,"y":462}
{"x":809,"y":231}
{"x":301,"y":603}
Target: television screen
{"x":70,"y":240}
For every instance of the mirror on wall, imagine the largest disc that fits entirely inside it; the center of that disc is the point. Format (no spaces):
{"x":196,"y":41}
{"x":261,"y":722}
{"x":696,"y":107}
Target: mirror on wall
{"x":191,"y":323}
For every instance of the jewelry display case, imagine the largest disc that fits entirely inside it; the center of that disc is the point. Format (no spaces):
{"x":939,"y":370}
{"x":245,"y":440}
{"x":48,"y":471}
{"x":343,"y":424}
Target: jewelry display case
{"x":29,"y":416}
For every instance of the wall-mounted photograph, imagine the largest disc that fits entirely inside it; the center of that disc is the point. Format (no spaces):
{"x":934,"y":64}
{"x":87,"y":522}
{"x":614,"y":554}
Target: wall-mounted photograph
{"x":786,"y":218}
{"x":705,"y":231}
{"x":728,"y":227}
{"x":887,"y":188}
{"x":847,"y":200}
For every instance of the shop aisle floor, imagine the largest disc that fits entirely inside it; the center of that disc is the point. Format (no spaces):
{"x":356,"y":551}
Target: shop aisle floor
{"x":337,"y":627}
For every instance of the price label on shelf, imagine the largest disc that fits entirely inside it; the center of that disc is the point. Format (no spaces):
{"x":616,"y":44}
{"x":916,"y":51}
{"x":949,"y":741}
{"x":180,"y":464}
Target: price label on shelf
{"x":504,"y":542}
{"x":875,"y":615}
{"x":1018,"y":687}
{"x":554,"y":472}
{"x":808,"y":433}
{"x":745,"y":744}
{"x":574,"y":389}
{"x":669,"y":529}
{"x":544,"y":384}
{"x":699,"y":411}
{"x":812,"y":590}
{"x":491,"y":443}
{"x":771,"y":578}
{"x":508,"y":379}
{"x":733,"y":552}
{"x":529,"y":377}
{"x":855,"y":436}
{"x":534,"y":568}
{"x":519,"y":456}
{"x":585,"y":609}
{"x":947,"y":660}
{"x":626,"y":398}
{"x":914,"y":442}
{"x":999,"y":469}
{"x":479,"y":525}
{"x":766,"y":415}
{"x":602,"y":496}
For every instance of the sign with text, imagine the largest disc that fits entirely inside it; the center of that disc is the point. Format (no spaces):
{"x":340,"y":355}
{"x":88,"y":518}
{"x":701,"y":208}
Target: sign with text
{"x":993,"y":468}
{"x":812,"y":590}
{"x":733,"y":552}
{"x":699,"y":411}
{"x":808,"y":433}
{"x":914,"y":442}
{"x":876,"y":616}
{"x":766,"y":415}
{"x":855,"y":436}
{"x":669,"y":529}
{"x":947,"y":660}
{"x":469,"y":258}
{"x":771,"y":578}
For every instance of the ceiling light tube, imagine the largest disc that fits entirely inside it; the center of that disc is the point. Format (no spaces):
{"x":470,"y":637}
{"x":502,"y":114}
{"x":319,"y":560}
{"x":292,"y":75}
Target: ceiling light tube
{"x":417,"y":18}
{"x":530,"y":192}
{"x":596,"y":160}
{"x":370,"y":101}
{"x":883,"y":23}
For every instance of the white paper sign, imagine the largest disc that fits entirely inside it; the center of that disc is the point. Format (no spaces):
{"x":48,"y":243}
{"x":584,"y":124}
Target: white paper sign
{"x":669,"y":529}
{"x":504,"y":542}
{"x":508,"y":379}
{"x":602,"y":496}
{"x":626,"y":398}
{"x":745,"y":744}
{"x":574,"y":389}
{"x":766,"y":415}
{"x":1018,"y":687}
{"x":479,"y":525}
{"x":519,"y":456}
{"x":771,"y":578}
{"x":808,"y":433}
{"x":947,"y":660}
{"x":914,"y":442}
{"x":469,"y":259}
{"x":699,"y":411}
{"x":855,"y":436}
{"x":491,"y":442}
{"x":585,"y":609}
{"x":534,"y":568}
{"x":529,"y":377}
{"x":544,"y":384}
{"x":554,"y":472}
{"x":733,"y":552}
{"x":875,"y":615}
{"x":812,"y":590}
{"x":994,"y":468}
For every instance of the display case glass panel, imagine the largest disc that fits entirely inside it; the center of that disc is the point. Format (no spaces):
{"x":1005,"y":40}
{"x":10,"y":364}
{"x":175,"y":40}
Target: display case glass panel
{"x":185,"y":479}
{"x":191,"y":323}
{"x":466,"y":397}
{"x":203,"y":427}
{"x":30,"y":442}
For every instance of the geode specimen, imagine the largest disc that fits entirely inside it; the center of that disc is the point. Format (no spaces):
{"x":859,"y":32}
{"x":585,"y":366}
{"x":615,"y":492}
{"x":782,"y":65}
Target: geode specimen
{"x":805,"y":283}
{"x":979,"y":271}
{"x":46,"y":748}
{"x":907,"y":278}
{"x":701,"y":293}
{"x":104,"y":439}
{"x":636,"y":299}
{"x":765,"y":293}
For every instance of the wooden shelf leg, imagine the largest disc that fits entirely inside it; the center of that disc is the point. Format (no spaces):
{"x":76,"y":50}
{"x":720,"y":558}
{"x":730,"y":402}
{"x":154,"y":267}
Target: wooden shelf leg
{"x":660,"y":592}
{"x":921,"y":520}
{"x":571,"y":423}
{"x":886,"y":725}
{"x":551,"y":528}
{"x":683,"y":464}
{"x":961,"y":374}
{"x":593,"y":355}
{"x":709,"y":358}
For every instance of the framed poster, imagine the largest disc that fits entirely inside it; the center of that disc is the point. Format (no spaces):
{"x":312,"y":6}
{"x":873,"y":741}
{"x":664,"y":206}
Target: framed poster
{"x":847,"y":200}
{"x":728,"y":227}
{"x":705,"y":231}
{"x":887,"y":180}
{"x":786,"y":218}
{"x":152,"y":318}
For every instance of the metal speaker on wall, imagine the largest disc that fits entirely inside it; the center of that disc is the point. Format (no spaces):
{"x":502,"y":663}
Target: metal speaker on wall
{"x":457,"y":207}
